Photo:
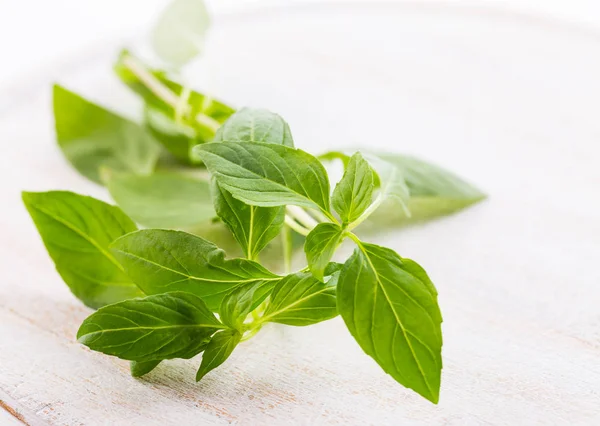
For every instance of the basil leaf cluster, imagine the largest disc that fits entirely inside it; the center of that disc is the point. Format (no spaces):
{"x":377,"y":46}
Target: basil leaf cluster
{"x":227,"y":198}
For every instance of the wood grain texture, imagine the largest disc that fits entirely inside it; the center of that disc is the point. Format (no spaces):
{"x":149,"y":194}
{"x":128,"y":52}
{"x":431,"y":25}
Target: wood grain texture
{"x":513,"y":109}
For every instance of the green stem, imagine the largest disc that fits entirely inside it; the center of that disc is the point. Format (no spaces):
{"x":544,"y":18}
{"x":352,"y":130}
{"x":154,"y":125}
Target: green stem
{"x":251,"y":332}
{"x":299,"y":214}
{"x":368,"y":212}
{"x":167,"y":95}
{"x":286,"y":241}
{"x":207,"y":121}
{"x":182,"y":103}
{"x":152,"y":83}
{"x":296,"y":226}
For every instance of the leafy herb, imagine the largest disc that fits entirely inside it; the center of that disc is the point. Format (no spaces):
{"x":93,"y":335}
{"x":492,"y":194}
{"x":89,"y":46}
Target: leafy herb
{"x":175,"y":135}
{"x":354,"y":193}
{"x":320,"y":246}
{"x":161,"y":261}
{"x":262,"y":188}
{"x":267,"y":175}
{"x":218,"y":350}
{"x":93,"y":138}
{"x":253,"y":227}
{"x":432,"y":191}
{"x":163,"y":326}
{"x":182,"y":108}
{"x":157,"y":289}
{"x":77,"y":231}
{"x":139,"y":369}
{"x":180,"y":32}
{"x":242,"y":300}
{"x":300,"y":299}
{"x":394,"y":317}
{"x":163,"y":199}
{"x":255,"y":125}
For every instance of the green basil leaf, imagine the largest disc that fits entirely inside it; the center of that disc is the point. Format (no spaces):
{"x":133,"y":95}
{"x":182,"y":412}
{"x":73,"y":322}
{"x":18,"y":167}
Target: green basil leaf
{"x":242,"y":300}
{"x":177,"y":137}
{"x":201,"y":112}
{"x":333,"y":267}
{"x":255,"y":125}
{"x":161,"y":261}
{"x":300,"y":299}
{"x":354,"y":192}
{"x":394,"y":317}
{"x":163,"y":199}
{"x":267,"y":175}
{"x":390,"y":181}
{"x":218,"y":350}
{"x":164,"y":326}
{"x":320,"y":246}
{"x":253,"y":227}
{"x":434,"y":192}
{"x":180,"y":32}
{"x":139,"y":369}
{"x":77,"y":231}
{"x":92,"y":138}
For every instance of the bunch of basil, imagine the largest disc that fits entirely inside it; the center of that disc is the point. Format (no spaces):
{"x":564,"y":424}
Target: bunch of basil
{"x":234,"y":180}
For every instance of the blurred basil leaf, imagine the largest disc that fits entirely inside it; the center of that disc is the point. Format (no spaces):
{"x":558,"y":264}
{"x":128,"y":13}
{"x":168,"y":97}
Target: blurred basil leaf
{"x":200,"y":112}
{"x":255,"y":125}
{"x":434,"y":192}
{"x":180,"y":31}
{"x":93,"y":138}
{"x":177,"y":137}
{"x":163,"y":200}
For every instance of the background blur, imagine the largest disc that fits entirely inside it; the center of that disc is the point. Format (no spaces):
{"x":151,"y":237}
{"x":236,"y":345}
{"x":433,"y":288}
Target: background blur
{"x":36,"y":33}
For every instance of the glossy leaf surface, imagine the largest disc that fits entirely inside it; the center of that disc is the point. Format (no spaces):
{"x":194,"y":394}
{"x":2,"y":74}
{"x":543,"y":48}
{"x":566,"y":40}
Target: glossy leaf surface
{"x":164,"y":326}
{"x":267,"y":175}
{"x":393,"y":315}
{"x":77,"y":231}
{"x":161,"y":261}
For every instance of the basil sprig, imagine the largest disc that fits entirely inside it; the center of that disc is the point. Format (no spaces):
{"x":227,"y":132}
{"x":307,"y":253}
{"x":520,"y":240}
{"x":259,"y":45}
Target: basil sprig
{"x":205,"y":178}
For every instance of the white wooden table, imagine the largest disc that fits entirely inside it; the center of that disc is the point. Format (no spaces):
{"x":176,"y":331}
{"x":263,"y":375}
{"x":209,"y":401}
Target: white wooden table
{"x":509,"y":101}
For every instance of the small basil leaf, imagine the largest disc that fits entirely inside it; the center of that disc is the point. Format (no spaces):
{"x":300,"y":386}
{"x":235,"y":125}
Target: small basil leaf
{"x":393,"y":316}
{"x":255,"y":125}
{"x":218,"y":350}
{"x":92,"y":138}
{"x":139,"y":369}
{"x":77,"y":231}
{"x":163,"y":199}
{"x":165,"y":326}
{"x":161,"y":261}
{"x":177,"y":137}
{"x":253,"y":227}
{"x":354,"y":192}
{"x":180,"y":32}
{"x":267,"y":175}
{"x":242,"y":300}
{"x":434,"y":192}
{"x":300,"y":299}
{"x":320,"y":246}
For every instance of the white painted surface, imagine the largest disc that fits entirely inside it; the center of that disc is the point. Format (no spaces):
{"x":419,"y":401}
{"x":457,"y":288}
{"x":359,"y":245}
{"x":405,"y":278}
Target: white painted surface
{"x":507,"y":101}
